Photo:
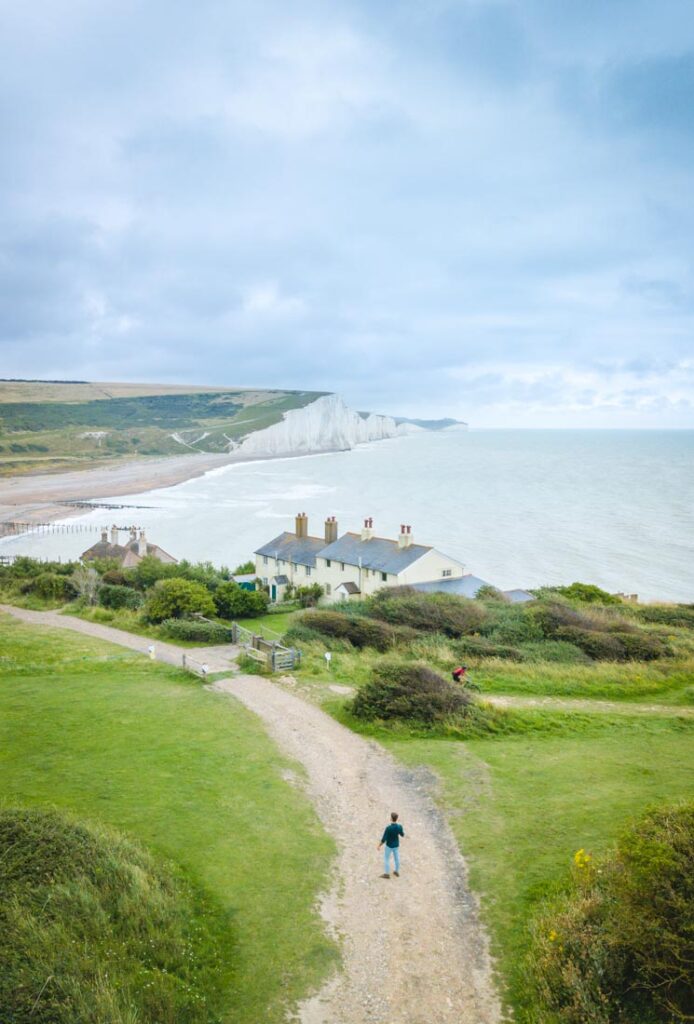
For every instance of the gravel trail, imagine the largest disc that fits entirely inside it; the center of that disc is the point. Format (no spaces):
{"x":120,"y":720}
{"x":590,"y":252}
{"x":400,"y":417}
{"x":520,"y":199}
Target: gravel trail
{"x":414,"y":951}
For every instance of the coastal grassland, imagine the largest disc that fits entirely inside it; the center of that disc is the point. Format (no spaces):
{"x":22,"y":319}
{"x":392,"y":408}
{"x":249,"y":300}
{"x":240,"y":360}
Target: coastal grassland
{"x":521,"y":806}
{"x":113,"y":739}
{"x":51,"y":434}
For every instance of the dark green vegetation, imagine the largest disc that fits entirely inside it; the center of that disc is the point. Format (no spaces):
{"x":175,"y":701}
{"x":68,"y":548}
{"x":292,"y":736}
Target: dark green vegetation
{"x":106,"y":736}
{"x":530,"y":785}
{"x":155,"y":599}
{"x":409,"y":691}
{"x":93,"y":928}
{"x":53,"y":434}
{"x":618,"y":945}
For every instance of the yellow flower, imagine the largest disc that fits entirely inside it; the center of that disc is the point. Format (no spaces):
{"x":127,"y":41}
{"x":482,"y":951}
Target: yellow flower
{"x":553,"y":936}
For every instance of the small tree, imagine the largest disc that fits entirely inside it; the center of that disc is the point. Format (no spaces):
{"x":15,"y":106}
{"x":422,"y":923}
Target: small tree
{"x":86,"y":582}
{"x":245,"y":569}
{"x":233,"y":602}
{"x":174,"y":599}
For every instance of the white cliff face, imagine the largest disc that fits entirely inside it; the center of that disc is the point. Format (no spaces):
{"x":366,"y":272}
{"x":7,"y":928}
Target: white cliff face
{"x":323,"y":426}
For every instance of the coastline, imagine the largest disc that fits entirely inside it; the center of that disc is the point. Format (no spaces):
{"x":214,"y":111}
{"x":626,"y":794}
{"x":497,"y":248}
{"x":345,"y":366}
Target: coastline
{"x":38,"y":497}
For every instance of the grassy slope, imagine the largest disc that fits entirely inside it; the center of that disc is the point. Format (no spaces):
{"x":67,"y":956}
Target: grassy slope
{"x":112,"y":738}
{"x":521,"y":807}
{"x":46,"y":431}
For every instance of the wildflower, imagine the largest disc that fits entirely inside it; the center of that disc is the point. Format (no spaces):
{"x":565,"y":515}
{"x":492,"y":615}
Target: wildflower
{"x":553,"y":936}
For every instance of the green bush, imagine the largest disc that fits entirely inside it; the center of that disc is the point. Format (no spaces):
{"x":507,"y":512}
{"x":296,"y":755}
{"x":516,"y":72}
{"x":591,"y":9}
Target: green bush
{"x":598,"y":646}
{"x":197,"y":631}
{"x":93,"y":929}
{"x":245,"y":569}
{"x":619,"y":945}
{"x":643,"y":646}
{"x":358,"y":630}
{"x":150,"y":570}
{"x":50,"y":586}
{"x":309,"y":595}
{"x":483,"y":647}
{"x":408,"y":691}
{"x":511,"y":624}
{"x":233,"y":602}
{"x":432,"y":613}
{"x":681,"y":615}
{"x":117,"y":596}
{"x":555,"y":651}
{"x":587,"y":593}
{"x":117,"y":578}
{"x":176,"y":598}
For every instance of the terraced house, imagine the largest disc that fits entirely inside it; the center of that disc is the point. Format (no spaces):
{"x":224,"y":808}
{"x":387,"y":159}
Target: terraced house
{"x":351,"y":565}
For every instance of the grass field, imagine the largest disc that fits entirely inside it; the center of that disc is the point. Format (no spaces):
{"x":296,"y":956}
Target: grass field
{"x":522,"y":806}
{"x":111,"y":738}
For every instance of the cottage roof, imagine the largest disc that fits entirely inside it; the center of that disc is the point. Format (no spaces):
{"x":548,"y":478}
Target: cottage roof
{"x":518,"y":596}
{"x":462,"y":586}
{"x":281,"y":581}
{"x":378,"y":553}
{"x":349,"y":587}
{"x":290,"y":548}
{"x":104,"y":549}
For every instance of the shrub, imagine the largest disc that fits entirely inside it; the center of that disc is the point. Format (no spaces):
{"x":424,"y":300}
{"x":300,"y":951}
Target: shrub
{"x":643,"y":646}
{"x":118,"y":596}
{"x":50,"y":586}
{"x":197,"y":631}
{"x":245,"y":569}
{"x":233,"y":602}
{"x":432,"y":613}
{"x":681,"y":615}
{"x":557,"y":651}
{"x":358,"y":630}
{"x":408,"y":691}
{"x":552,"y":616}
{"x":482,"y":647}
{"x":150,"y":570}
{"x":117,"y":578}
{"x":512,"y":624}
{"x":619,"y":945}
{"x":309,"y":596}
{"x":490,"y":593}
{"x":587,"y":593}
{"x":174,"y":599}
{"x":598,"y":646}
{"x":93,"y":929}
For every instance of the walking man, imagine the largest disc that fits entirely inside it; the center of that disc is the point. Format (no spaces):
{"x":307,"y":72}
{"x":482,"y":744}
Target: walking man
{"x":391,"y":839}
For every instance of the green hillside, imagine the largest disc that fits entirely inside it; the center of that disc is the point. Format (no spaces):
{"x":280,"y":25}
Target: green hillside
{"x":52,"y":426}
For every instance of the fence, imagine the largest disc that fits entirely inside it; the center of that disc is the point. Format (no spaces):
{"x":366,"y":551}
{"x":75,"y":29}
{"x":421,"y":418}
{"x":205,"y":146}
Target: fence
{"x":269,"y":653}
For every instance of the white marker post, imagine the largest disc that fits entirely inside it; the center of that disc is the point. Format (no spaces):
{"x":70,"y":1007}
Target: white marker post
{"x":152,"y":651}
{"x":328,"y":658}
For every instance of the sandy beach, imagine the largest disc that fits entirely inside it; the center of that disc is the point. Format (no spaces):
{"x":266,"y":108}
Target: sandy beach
{"x":38,"y":497}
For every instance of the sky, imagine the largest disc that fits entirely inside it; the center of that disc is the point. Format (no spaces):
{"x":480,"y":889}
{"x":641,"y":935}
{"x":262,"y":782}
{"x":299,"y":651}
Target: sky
{"x":481,"y":208}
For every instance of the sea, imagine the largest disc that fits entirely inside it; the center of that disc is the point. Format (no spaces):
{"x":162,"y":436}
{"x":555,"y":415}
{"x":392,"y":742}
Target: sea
{"x":520,"y":508}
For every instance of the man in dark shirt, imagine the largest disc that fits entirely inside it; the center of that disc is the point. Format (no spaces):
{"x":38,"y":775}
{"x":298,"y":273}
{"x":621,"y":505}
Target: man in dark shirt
{"x":391,"y":839}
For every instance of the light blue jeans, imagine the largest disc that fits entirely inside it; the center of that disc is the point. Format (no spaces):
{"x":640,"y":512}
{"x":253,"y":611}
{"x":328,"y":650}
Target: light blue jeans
{"x":387,"y":850}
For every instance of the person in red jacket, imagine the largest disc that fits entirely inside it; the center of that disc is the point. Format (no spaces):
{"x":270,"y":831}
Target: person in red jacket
{"x":459,"y":674}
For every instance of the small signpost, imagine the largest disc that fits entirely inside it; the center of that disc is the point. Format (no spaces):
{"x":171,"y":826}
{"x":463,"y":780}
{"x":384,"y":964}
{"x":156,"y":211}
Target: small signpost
{"x":328,"y":658}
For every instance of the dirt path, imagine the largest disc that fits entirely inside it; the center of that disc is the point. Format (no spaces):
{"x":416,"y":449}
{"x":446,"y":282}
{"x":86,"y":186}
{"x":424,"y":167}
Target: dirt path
{"x":414,"y":951}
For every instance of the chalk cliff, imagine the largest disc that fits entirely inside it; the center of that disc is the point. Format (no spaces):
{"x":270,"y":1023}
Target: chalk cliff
{"x":325,"y":425}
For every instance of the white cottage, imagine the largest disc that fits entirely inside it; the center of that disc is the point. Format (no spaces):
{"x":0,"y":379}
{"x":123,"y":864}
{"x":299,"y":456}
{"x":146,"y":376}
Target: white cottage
{"x":353,"y":565}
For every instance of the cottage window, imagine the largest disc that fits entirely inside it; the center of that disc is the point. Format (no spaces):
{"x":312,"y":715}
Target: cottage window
{"x":327,"y":590}
{"x":264,"y":559}
{"x":328,"y":563}
{"x":447,"y":572}
{"x":384,"y":576}
{"x":308,"y":570}
{"x":264,"y":581}
{"x":342,"y":566}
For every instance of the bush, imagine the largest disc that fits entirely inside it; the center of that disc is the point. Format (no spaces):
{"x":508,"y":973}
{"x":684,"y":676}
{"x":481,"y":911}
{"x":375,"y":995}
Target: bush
{"x":556,"y":651}
{"x":309,"y":596}
{"x":643,"y":646}
{"x":587,"y":593}
{"x":197,"y":631}
{"x":150,"y":570}
{"x":619,"y":945}
{"x":174,"y":599}
{"x":93,"y":929}
{"x":117,"y":578}
{"x":118,"y":596}
{"x":408,"y":691}
{"x":245,"y":569}
{"x":482,"y":647}
{"x":358,"y":630}
{"x":598,"y":646}
{"x":50,"y":586}
{"x":233,"y":602}
{"x":431,"y":613}
{"x":681,"y":615}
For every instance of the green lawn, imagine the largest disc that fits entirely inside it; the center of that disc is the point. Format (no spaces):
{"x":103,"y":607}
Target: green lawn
{"x":113,"y":738}
{"x":522,"y":806}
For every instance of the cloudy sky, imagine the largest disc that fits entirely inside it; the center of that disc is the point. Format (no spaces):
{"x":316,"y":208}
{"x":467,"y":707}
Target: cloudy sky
{"x":479,"y":208}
